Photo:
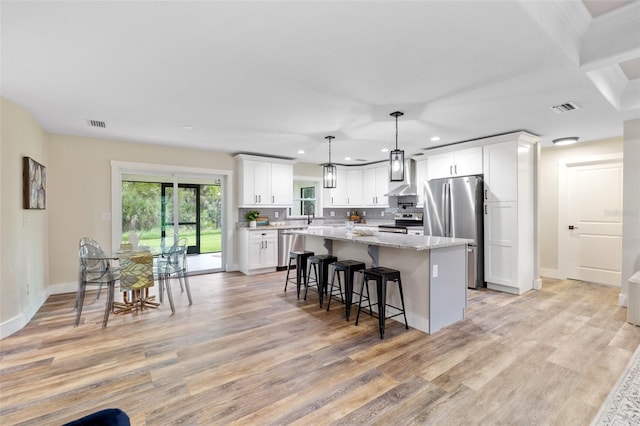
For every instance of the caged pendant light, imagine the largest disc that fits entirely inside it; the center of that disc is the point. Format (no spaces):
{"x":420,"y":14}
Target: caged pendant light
{"x":329,"y":170}
{"x":396,"y":158}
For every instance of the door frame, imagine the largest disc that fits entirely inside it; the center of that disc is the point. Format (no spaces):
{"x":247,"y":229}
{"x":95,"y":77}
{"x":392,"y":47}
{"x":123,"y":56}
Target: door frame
{"x":163,"y":188}
{"x":563,"y":170}
{"x":120,"y":168}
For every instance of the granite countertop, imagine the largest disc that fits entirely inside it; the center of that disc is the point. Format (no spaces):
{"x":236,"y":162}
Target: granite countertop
{"x":385,"y":239}
{"x":275,"y":227}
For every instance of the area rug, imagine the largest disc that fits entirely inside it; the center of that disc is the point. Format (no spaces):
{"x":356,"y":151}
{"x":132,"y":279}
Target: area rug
{"x":622,"y":406}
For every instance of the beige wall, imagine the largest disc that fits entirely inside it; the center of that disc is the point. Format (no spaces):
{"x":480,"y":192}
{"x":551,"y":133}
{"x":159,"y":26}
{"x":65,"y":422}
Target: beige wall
{"x":548,"y":202}
{"x":24,"y":243}
{"x":39,"y":247}
{"x":80,"y":190}
{"x":307,"y":169}
{"x":631,"y":203}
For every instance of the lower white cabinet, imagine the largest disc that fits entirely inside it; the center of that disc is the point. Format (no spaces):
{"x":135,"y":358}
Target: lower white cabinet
{"x":258,"y":250}
{"x":500,"y":244}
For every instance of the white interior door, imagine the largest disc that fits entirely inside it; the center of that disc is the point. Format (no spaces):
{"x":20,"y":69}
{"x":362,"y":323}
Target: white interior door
{"x":593,"y":222}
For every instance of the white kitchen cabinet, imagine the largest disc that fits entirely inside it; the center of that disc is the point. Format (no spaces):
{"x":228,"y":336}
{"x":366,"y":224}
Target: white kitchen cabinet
{"x":263,"y":182}
{"x":500,"y":241}
{"x":338,"y":197}
{"x":421,"y":178}
{"x":375,"y":184}
{"x":281,"y":184}
{"x":509,"y":214}
{"x":463,"y":162}
{"x":354,"y":186}
{"x":258,"y":250}
{"x":348,"y":191}
{"x":501,"y":171}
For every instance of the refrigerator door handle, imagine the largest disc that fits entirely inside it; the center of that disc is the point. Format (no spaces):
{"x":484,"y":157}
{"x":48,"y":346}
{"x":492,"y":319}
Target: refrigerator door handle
{"x":447,"y":209}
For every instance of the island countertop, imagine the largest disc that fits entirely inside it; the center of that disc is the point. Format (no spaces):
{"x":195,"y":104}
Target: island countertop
{"x":383,"y":239}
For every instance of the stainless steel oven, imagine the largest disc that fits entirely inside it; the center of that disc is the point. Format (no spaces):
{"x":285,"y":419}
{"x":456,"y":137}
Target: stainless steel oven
{"x":403,"y":222}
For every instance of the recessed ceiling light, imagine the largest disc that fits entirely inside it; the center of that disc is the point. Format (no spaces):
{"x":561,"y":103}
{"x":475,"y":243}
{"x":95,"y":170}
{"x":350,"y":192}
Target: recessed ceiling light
{"x":347,"y":158}
{"x":300,"y":151}
{"x":566,"y":141}
{"x":187,"y":127}
{"x":384,"y":150}
{"x":435,"y":139}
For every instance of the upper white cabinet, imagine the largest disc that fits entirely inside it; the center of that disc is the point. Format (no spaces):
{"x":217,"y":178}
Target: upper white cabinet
{"x":281,"y":184}
{"x":264,"y":182}
{"x":462,"y":162}
{"x":348,"y":191}
{"x":375,"y":184}
{"x":338,"y":196}
{"x":501,"y":171}
{"x":421,"y":178}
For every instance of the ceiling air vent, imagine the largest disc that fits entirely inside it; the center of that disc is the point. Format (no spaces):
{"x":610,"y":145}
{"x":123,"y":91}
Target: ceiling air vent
{"x":566,"y":107}
{"x":97,"y":123}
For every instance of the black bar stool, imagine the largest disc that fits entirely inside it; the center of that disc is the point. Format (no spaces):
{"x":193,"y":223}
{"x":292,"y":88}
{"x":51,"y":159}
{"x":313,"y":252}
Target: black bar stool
{"x":301,"y":268}
{"x":319,"y":262}
{"x":382,"y":276}
{"x":348,"y":268}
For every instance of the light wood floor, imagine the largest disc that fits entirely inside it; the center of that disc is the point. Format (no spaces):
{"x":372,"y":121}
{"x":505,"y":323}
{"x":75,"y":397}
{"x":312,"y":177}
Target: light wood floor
{"x":247,"y":353}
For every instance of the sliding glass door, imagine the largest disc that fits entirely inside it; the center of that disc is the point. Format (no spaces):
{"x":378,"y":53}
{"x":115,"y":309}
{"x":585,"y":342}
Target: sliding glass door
{"x":154,"y":216}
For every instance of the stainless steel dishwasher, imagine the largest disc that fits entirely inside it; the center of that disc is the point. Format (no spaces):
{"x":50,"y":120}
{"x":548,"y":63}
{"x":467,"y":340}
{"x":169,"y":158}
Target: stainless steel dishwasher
{"x":288,"y":242}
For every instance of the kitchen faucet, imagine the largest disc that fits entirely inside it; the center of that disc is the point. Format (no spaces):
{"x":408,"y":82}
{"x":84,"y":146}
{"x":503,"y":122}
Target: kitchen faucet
{"x":310,"y":213}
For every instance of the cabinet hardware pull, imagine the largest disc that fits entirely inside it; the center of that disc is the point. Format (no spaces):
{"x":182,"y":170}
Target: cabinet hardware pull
{"x":485,"y":209}
{"x":455,"y":169}
{"x":486,"y":194}
{"x":450,"y":170}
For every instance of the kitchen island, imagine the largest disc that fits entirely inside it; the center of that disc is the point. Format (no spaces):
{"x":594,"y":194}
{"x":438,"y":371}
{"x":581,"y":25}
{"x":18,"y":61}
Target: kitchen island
{"x":433,"y":269}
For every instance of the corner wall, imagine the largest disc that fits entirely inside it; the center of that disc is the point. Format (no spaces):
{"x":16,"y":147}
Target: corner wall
{"x":24,"y":263}
{"x":631,"y":205}
{"x":548,"y":201}
{"x":80,"y":188}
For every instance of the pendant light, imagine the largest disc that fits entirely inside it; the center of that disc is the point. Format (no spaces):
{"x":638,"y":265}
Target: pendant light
{"x":396,"y":158}
{"x":329,"y":170}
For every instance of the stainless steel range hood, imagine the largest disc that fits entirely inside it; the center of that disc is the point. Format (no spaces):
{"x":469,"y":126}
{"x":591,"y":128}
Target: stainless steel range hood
{"x":408,"y":185}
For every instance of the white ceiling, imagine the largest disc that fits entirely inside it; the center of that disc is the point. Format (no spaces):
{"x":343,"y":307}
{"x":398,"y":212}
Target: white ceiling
{"x":277,"y":77}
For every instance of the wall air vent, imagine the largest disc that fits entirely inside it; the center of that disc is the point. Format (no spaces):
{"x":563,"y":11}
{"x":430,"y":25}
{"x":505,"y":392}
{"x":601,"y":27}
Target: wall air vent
{"x":97,"y":123}
{"x":566,"y":107}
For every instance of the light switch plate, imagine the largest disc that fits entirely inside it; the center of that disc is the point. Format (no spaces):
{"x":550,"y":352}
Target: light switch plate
{"x":435,"y":271}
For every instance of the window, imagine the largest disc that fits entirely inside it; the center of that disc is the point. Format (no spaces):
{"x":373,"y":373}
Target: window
{"x":305,"y":198}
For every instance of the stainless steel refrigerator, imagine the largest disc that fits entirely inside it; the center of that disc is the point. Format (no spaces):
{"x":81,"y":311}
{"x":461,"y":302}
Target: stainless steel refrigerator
{"x":453,"y":208}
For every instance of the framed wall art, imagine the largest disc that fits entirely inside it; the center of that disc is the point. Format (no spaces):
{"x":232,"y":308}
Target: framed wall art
{"x":34,"y":189}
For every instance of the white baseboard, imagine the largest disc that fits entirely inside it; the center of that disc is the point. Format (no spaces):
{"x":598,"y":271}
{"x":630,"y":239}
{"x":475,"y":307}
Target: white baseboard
{"x":537,"y":284}
{"x":60,"y":288}
{"x":551,"y":273}
{"x":622,"y":300}
{"x":231,"y":267}
{"x":16,"y":323}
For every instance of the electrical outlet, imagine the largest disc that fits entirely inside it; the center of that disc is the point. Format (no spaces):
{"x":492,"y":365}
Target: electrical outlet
{"x":381,"y":214}
{"x":364,"y":213}
{"x":348,"y":214}
{"x":435,"y":271}
{"x":276,"y":214}
{"x":332,"y":214}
